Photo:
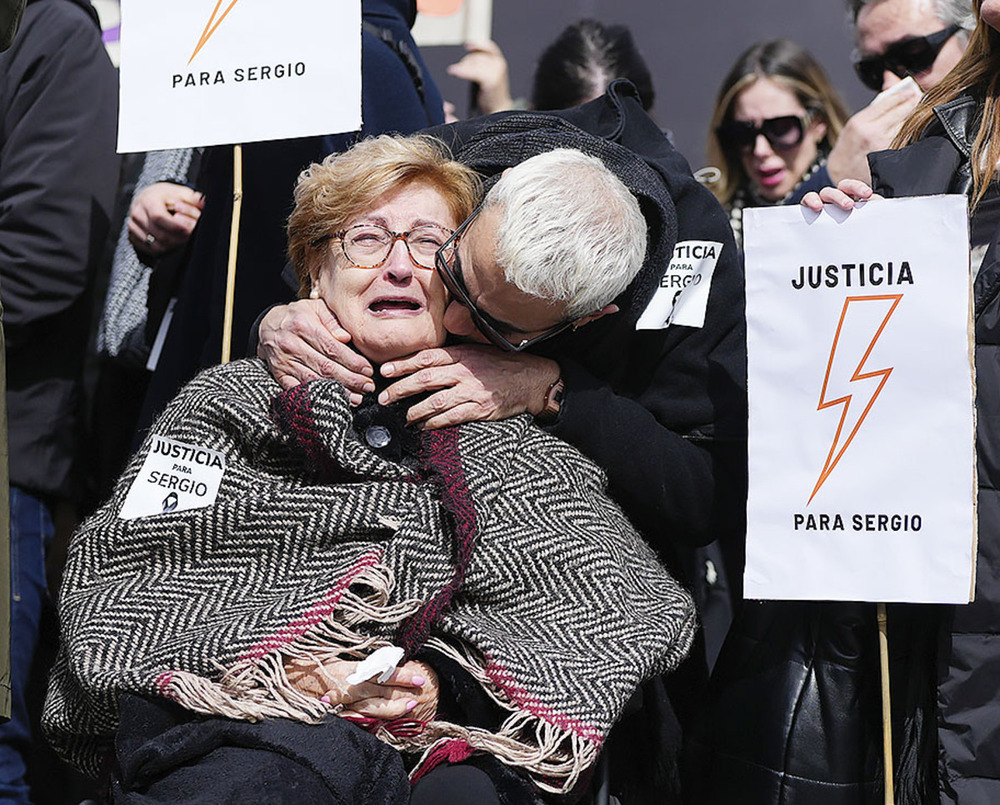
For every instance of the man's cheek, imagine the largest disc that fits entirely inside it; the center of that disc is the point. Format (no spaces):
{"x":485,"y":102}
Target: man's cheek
{"x":457,"y":321}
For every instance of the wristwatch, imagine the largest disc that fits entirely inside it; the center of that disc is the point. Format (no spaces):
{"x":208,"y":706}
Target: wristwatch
{"x":553,"y":402}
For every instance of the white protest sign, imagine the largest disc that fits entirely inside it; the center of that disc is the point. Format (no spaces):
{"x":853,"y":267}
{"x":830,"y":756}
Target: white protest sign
{"x":861,"y":429}
{"x":174,"y":477}
{"x":453,"y":22}
{"x":212,"y":72}
{"x":682,"y":297}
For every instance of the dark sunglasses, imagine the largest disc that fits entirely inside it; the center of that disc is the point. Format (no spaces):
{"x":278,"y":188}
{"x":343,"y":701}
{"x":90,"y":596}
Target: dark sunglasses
{"x":910,"y":56}
{"x":449,"y":268}
{"x":783,"y":133}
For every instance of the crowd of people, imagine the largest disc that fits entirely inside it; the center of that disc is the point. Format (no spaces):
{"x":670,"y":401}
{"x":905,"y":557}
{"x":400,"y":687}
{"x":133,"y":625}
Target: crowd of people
{"x":470,"y":522}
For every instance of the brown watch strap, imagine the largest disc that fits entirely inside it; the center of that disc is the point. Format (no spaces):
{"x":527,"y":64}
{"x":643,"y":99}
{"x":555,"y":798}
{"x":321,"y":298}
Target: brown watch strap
{"x":553,"y":402}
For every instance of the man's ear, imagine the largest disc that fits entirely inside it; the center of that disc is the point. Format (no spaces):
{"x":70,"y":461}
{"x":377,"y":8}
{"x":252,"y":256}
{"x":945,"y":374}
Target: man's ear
{"x":607,"y":310}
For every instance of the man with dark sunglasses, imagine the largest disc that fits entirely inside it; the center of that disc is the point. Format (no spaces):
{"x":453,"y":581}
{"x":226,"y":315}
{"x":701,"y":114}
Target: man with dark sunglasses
{"x":896,"y":40}
{"x":899,"y":38}
{"x":904,"y":47}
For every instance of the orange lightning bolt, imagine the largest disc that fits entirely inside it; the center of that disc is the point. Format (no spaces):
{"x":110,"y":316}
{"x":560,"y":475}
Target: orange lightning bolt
{"x":839,"y":446}
{"x":212,"y":26}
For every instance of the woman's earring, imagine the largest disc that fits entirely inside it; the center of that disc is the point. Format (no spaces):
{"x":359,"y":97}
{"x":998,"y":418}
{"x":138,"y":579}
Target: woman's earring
{"x":314,"y":293}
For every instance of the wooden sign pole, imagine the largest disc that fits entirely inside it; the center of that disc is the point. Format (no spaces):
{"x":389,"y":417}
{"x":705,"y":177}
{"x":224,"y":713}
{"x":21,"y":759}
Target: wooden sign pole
{"x":883,"y":646}
{"x":234,"y":239}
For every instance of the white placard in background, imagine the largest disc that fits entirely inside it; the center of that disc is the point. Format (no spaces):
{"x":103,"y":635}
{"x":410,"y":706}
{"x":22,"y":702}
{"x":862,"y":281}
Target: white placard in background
{"x":453,"y":22}
{"x":212,"y":72}
{"x":861,"y":430}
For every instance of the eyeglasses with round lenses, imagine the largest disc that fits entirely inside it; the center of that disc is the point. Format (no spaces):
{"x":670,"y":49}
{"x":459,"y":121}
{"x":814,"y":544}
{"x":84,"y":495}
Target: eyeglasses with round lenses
{"x":369,"y":245}
{"x":911,"y":56}
{"x":783,"y":133}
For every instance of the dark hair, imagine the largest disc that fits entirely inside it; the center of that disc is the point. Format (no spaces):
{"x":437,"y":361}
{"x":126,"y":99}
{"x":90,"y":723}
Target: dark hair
{"x":583,"y":60}
{"x":792,"y":66}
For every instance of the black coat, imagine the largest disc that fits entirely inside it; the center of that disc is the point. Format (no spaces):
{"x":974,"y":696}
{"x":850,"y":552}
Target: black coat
{"x":58,"y":177}
{"x":968,"y":664}
{"x":663,"y":412}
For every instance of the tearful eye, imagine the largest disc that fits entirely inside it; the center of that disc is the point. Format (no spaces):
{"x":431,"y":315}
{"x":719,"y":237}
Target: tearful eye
{"x":368,"y":239}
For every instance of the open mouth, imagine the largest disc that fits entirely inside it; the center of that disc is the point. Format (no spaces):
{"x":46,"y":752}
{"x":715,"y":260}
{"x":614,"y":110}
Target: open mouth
{"x":395,"y":306}
{"x":771,"y":176}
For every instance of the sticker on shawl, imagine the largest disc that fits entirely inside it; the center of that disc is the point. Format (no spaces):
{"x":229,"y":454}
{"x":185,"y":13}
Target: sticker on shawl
{"x":175,"y":477}
{"x":682,"y":297}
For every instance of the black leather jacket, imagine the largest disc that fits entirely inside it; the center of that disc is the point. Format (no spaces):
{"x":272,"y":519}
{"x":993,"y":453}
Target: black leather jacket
{"x":794,"y":715}
{"x":967,"y":709}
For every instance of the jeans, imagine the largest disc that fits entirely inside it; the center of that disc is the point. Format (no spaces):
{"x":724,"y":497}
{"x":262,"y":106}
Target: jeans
{"x":30,"y":532}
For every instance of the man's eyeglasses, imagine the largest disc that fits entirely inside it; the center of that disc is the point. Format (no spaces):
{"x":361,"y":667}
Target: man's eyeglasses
{"x":910,"y":56}
{"x":449,"y":268}
{"x":783,"y":133}
{"x":369,"y":245}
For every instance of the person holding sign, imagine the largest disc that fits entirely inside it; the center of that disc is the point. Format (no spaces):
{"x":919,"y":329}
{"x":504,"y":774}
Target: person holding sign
{"x":951,"y":144}
{"x":272,"y":559}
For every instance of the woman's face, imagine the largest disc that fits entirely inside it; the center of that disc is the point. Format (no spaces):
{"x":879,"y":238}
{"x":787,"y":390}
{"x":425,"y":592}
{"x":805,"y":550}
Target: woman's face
{"x":773,"y":173}
{"x":397,"y":308}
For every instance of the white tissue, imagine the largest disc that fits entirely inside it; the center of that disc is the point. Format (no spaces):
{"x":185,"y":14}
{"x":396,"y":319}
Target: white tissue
{"x":381,"y":662}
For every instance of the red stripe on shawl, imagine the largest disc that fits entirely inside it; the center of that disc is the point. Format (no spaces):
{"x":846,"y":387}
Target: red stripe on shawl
{"x":163,"y":684}
{"x":292,"y":411}
{"x":441,"y":457}
{"x":454,"y":751}
{"x":296,"y":628}
{"x":399,"y":727}
{"x":503,"y":679}
{"x":311,"y":617}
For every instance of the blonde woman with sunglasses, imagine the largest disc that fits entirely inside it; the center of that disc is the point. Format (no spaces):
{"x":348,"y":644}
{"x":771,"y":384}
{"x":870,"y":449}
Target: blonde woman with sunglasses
{"x":775,"y":120}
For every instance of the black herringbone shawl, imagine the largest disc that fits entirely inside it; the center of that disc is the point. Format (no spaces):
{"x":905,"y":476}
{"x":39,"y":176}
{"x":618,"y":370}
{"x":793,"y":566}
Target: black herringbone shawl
{"x":502,"y":551}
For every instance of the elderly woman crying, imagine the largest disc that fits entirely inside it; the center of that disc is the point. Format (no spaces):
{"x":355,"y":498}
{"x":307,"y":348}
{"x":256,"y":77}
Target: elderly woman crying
{"x":228,"y":645}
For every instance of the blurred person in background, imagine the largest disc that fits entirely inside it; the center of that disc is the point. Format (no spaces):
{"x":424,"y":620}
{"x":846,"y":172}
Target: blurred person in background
{"x":148,"y":260}
{"x":896,"y":40}
{"x":899,"y":38}
{"x":577,"y":67}
{"x":58,"y":175}
{"x":775,"y":121}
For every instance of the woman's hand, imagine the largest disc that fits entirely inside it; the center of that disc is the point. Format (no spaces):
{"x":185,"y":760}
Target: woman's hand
{"x":162,"y":217}
{"x":411,"y":691}
{"x":304,"y":341}
{"x":843,"y":195}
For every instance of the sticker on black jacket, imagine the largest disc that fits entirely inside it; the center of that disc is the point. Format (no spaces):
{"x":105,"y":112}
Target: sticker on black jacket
{"x":682,"y":297}
{"x":175,"y":477}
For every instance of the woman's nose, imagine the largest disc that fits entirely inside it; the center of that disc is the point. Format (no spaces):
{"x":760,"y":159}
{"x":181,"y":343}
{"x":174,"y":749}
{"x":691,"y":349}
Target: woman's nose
{"x":761,"y":147}
{"x":398,"y":266}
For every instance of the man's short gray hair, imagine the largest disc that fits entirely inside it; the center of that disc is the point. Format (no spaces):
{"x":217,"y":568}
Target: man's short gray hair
{"x":570,"y":230}
{"x":950,"y":12}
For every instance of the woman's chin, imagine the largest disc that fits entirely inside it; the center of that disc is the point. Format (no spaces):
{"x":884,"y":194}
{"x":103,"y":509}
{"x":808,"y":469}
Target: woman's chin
{"x":388,"y":343}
